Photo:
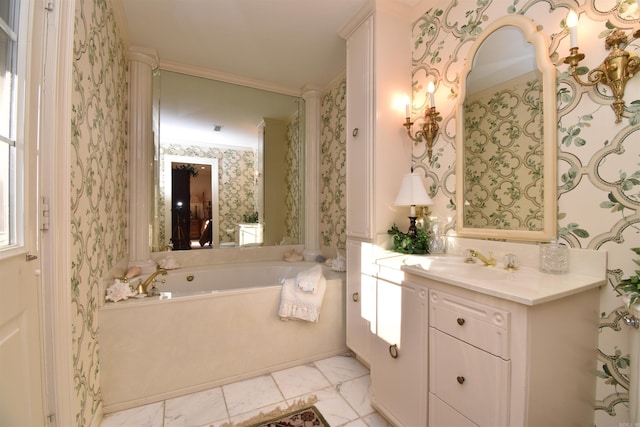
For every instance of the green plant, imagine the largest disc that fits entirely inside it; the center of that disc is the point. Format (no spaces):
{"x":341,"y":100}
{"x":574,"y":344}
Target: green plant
{"x":403,"y":243}
{"x":631,"y":285}
{"x":250,"y":218}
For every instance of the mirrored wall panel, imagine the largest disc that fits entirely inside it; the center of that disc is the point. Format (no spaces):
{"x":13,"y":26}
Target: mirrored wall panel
{"x":228,"y":165}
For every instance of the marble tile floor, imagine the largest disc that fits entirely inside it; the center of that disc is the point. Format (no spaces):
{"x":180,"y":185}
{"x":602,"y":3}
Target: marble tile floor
{"x":340,"y":383}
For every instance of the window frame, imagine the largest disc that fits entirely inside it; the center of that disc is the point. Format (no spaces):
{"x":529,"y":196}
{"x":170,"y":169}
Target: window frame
{"x":17,"y":210}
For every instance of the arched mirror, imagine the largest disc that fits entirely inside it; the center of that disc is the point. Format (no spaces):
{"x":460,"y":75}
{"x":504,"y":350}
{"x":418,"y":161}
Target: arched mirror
{"x":506,"y":136}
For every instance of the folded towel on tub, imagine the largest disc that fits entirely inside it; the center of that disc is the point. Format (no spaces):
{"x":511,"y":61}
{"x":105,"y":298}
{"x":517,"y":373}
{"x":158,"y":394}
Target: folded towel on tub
{"x":307,"y":280}
{"x":295,"y":304}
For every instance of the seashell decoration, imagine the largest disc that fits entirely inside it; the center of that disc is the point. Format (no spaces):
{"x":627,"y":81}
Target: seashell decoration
{"x":120,"y":290}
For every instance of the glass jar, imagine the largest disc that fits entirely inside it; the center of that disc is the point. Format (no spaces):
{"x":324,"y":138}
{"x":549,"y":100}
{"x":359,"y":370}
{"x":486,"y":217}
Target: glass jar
{"x":437,"y":240}
{"x":554,"y":258}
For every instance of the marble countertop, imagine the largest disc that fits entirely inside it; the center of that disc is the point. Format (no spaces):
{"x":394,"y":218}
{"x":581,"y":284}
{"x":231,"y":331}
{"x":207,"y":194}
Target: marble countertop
{"x":525,"y":285}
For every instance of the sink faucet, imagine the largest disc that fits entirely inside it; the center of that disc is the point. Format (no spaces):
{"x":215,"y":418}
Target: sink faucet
{"x":486,"y":261}
{"x":142,"y":287}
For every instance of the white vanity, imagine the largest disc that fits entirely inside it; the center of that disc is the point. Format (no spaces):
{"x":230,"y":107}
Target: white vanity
{"x":456,"y":344}
{"x":450,"y":343}
{"x":250,"y":234}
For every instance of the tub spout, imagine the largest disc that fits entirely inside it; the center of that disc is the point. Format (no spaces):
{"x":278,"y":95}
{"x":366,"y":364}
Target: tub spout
{"x":486,"y":261}
{"x":142,"y":287}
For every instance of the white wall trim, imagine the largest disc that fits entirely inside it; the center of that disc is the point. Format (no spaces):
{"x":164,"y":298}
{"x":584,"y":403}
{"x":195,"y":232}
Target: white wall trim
{"x":55,"y":135}
{"x":313,"y":98}
{"x":225,"y":77}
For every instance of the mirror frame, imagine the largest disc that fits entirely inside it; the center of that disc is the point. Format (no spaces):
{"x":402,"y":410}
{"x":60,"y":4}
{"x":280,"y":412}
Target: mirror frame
{"x":548,"y":70}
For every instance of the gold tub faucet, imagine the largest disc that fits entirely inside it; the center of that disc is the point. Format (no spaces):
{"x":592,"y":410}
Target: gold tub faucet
{"x":142,"y":287}
{"x":486,"y":261}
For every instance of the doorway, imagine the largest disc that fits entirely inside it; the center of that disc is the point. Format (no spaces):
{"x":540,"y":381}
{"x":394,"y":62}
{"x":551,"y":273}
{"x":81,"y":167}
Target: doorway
{"x":191,"y":209}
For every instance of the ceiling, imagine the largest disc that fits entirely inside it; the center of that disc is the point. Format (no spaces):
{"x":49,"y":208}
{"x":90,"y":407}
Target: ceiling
{"x":285,"y":44}
{"x":280,"y":46}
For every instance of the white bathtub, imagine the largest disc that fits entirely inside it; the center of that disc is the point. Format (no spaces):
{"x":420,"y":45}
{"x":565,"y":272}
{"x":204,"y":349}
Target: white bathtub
{"x":220,"y":327}
{"x":207,"y":279}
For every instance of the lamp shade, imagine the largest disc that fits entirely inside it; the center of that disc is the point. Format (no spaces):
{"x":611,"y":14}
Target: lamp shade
{"x":412,"y":192}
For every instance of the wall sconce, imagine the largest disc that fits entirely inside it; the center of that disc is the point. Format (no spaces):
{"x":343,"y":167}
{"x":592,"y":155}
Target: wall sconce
{"x":616,"y":69}
{"x":430,"y":127}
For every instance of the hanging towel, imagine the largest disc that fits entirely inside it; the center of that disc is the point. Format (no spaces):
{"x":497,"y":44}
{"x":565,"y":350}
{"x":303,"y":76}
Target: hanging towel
{"x":307,"y":280}
{"x":295,"y":304}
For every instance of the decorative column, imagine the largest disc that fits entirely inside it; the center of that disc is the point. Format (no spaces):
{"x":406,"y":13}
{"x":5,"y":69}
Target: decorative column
{"x":142,"y":62}
{"x":312,"y":98}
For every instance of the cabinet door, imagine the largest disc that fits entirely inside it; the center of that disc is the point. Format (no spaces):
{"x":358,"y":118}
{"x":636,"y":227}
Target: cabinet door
{"x":470,"y":380}
{"x":398,"y":359}
{"x":441,"y":414}
{"x":358,"y":335}
{"x":359,"y":131}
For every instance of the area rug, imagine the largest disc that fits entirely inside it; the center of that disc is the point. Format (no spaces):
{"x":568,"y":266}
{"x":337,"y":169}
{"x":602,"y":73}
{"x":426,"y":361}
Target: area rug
{"x":300,"y":414}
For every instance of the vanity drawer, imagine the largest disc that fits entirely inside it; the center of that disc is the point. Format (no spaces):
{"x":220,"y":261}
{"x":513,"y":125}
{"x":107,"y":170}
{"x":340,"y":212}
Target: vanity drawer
{"x":480,"y":325}
{"x":473,"y":382}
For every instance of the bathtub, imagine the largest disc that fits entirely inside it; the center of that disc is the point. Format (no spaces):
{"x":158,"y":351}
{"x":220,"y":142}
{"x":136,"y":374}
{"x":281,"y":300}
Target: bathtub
{"x":210,"y":326}
{"x":186,"y":282}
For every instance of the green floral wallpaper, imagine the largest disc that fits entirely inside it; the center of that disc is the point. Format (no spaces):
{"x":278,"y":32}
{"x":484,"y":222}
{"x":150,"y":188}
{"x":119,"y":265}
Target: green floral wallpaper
{"x":333,"y":176}
{"x":98,"y":185}
{"x":503,"y":155}
{"x":599,"y":176}
{"x":295,"y":184}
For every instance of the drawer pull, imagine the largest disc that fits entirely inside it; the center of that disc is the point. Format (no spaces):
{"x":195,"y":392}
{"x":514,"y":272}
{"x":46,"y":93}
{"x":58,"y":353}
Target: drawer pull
{"x":355,"y":132}
{"x":393,"y":351}
{"x":355,"y":297}
{"x":460,"y":321}
{"x":460,"y":380}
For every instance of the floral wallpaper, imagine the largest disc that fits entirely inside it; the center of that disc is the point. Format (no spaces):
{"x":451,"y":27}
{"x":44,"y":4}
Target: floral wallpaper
{"x":98,"y":185}
{"x":333,"y":175}
{"x":236,"y":185}
{"x":295,"y":183}
{"x":598,"y":172}
{"x":503,"y":154}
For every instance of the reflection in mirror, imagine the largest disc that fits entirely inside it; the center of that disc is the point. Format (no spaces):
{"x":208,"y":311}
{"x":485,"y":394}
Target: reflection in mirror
{"x":251,"y":140}
{"x":506,"y":148}
{"x":192,"y":199}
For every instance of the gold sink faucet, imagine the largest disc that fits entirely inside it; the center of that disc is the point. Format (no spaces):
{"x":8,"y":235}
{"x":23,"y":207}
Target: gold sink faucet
{"x":486,"y":261}
{"x":142,"y":287}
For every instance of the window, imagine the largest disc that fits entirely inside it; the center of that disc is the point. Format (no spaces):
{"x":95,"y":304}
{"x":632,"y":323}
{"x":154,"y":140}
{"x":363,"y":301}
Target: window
{"x":8,"y":107}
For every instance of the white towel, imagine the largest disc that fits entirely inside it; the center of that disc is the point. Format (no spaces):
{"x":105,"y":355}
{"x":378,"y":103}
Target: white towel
{"x":307,"y":280}
{"x":301,"y":305}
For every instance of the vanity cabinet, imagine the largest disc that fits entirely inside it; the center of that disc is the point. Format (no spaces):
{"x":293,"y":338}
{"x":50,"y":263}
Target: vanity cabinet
{"x":398,"y":357}
{"x":377,"y":148}
{"x":358,"y":328}
{"x":377,"y":151}
{"x":469,"y":361}
{"x":250,"y":234}
{"x":360,"y":132}
{"x":496,"y":361}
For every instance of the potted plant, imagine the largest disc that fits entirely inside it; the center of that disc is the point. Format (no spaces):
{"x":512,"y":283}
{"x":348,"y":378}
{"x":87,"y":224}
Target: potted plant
{"x":630,"y":287}
{"x":404,"y":243}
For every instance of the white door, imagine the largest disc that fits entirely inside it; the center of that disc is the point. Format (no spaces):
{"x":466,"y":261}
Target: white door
{"x":21,"y":373}
{"x":21,"y":391}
